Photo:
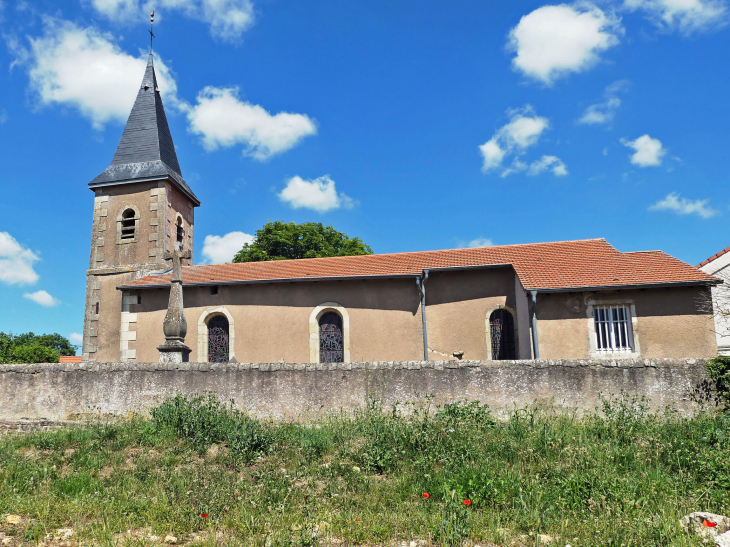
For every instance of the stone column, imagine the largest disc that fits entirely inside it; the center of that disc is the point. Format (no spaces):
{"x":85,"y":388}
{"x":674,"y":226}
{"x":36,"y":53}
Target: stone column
{"x":175,"y":327}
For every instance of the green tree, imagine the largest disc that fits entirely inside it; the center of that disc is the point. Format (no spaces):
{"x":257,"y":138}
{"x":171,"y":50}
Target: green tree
{"x":283,"y":241}
{"x":33,"y":348}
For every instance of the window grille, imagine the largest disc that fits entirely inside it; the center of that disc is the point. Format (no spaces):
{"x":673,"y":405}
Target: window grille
{"x":128,"y":224}
{"x":502,"y":335}
{"x":613,"y":329}
{"x":331,"y":342}
{"x":218,"y":339}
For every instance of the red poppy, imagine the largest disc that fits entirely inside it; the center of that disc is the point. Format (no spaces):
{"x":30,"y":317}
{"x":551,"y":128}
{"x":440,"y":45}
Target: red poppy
{"x":426,"y":495}
{"x":467,"y":502}
{"x":709,"y":524}
{"x":204,"y":515}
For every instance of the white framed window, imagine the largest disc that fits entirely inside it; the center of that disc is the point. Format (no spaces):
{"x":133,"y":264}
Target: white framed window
{"x":613,"y":329}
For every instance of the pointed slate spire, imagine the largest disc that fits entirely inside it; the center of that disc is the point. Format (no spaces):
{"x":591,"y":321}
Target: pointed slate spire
{"x":145,"y":151}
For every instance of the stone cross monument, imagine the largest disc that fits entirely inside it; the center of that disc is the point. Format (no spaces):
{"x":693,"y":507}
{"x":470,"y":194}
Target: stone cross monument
{"x":175,"y":327}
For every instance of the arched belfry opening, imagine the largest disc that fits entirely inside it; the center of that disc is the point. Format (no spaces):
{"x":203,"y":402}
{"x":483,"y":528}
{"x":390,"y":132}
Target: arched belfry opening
{"x":331,"y":338}
{"x":502,"y":335}
{"x":180,"y":234}
{"x":128,"y":224}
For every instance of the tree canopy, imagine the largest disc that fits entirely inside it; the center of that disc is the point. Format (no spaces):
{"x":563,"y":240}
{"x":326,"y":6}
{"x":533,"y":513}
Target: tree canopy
{"x":33,"y":348}
{"x":287,"y":240}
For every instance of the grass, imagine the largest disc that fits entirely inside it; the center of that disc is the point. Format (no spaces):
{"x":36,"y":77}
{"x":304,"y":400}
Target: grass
{"x":622,"y":477}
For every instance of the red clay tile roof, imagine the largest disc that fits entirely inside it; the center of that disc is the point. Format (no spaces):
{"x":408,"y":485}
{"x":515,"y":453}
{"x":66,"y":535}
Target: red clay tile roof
{"x":69,"y":359}
{"x":713,"y":257}
{"x":539,"y":266}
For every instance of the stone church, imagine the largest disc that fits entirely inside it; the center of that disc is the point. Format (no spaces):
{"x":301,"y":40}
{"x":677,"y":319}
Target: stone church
{"x":561,"y":300}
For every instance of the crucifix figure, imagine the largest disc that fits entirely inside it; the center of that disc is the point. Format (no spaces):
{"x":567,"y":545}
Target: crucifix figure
{"x":175,"y":327}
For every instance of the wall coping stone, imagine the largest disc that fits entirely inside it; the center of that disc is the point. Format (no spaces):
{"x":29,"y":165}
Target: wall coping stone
{"x":88,"y":366}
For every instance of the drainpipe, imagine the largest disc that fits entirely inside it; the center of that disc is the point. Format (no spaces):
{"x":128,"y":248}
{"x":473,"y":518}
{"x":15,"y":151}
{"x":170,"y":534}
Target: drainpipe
{"x":422,"y":289}
{"x":535,"y":347}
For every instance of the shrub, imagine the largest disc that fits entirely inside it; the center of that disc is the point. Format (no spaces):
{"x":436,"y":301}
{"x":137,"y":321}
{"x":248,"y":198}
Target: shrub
{"x":718,"y":369}
{"x":204,"y":420}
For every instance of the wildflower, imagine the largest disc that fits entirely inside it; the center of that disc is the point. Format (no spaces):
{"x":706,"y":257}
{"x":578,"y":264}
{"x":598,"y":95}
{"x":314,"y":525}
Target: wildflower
{"x":204,"y":515}
{"x":467,"y":502}
{"x":708,"y":524}
{"x":426,"y":495}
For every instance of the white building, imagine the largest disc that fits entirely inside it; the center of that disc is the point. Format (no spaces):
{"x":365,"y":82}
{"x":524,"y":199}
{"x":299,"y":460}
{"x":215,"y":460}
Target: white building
{"x":719,"y":266}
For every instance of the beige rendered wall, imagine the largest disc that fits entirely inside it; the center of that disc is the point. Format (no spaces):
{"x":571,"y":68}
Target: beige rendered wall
{"x":271,"y":320}
{"x":668,"y":323}
{"x":458,"y":305}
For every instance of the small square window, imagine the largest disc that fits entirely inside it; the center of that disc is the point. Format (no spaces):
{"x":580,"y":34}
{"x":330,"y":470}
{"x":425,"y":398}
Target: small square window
{"x":613,"y":329}
{"x":214,"y":289}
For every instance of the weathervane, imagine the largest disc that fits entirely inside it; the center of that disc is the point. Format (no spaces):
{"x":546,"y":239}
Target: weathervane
{"x":152,"y":24}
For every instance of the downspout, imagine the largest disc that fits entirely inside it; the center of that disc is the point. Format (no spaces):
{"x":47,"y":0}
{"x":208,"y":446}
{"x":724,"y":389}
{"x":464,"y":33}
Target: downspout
{"x":535,"y":347}
{"x":422,"y":289}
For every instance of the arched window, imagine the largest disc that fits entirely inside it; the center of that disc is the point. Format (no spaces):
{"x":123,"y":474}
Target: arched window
{"x":180,"y":233}
{"x":331,"y":340}
{"x":128,"y":224}
{"x":218,"y":347}
{"x":502,"y":335}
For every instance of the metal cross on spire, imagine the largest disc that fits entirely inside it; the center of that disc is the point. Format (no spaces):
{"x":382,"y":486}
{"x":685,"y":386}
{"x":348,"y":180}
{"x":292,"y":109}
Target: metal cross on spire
{"x":152,"y":24}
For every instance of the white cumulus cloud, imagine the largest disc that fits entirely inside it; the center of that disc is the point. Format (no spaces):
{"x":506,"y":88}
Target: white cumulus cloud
{"x":319,"y":195}
{"x":514,"y":138}
{"x":553,"y":163}
{"x":553,"y":41}
{"x":222,"y":249}
{"x":16,"y":261}
{"x":42,"y":298}
{"x":228,"y":19}
{"x":687,"y":16}
{"x":76,"y":338}
{"x":604,"y":112}
{"x":85,"y":69}
{"x":480,"y":242}
{"x":684,"y":206}
{"x":648,"y":152}
{"x":222,"y":119}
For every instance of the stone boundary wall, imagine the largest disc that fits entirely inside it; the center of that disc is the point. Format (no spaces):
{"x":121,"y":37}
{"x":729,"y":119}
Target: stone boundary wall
{"x":73,"y":391}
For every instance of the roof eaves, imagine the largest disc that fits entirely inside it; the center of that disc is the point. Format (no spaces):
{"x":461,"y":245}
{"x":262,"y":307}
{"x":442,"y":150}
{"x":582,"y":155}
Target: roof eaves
{"x":184,"y":188}
{"x":281,"y":280}
{"x":660,"y":285}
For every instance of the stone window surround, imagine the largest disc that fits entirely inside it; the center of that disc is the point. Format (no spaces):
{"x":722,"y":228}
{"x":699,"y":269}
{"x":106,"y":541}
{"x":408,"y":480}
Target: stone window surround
{"x":203,"y":333}
{"x":318,"y":312}
{"x":136,"y":217}
{"x":514,"y":326}
{"x":593,"y":303}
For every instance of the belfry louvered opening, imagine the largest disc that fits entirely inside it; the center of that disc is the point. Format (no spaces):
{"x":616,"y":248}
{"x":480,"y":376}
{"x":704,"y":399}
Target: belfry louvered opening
{"x":128,"y":224}
{"x":180,"y":232}
{"x":613,"y":329}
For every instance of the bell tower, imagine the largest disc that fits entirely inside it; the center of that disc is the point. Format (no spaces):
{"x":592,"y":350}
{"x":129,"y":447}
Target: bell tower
{"x":143,"y":208}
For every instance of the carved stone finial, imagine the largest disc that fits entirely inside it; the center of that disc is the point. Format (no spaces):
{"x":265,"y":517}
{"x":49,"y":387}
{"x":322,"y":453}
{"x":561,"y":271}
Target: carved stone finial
{"x":175,"y":327}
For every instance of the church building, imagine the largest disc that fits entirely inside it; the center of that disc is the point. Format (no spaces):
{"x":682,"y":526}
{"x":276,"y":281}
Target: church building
{"x":562,"y":300}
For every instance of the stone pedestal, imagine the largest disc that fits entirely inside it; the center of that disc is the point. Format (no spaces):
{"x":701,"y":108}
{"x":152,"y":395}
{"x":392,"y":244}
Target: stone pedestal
{"x":173,"y":351}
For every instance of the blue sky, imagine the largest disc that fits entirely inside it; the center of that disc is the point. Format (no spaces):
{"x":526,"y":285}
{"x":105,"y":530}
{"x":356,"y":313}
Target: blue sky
{"x":412,"y":125}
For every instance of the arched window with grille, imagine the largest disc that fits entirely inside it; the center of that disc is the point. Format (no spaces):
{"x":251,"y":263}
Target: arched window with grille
{"x":218,"y":340}
{"x":180,"y":232}
{"x":331,"y":339}
{"x":502,"y":335}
